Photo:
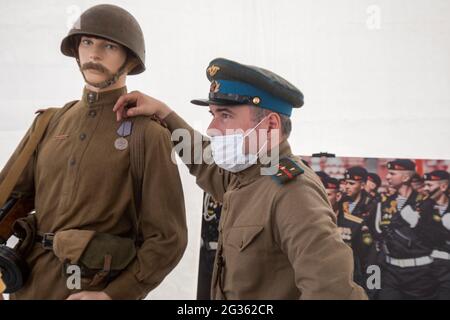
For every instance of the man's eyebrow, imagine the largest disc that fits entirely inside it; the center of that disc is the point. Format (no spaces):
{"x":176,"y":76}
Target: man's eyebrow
{"x":97,"y":38}
{"x":225,"y":110}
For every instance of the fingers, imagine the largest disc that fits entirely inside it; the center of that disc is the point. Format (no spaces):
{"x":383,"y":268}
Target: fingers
{"x":124,"y":101}
{"x":129,"y":98}
{"x":135,"y":111}
{"x":138,"y":104}
{"x":76,"y":296}
{"x":89,"y":295}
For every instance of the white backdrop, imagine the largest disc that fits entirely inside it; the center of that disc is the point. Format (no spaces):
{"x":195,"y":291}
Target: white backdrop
{"x":375,"y":74}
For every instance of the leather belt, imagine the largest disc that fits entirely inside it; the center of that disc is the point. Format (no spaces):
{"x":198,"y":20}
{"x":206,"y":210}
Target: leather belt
{"x":46,"y":239}
{"x":413,"y":262}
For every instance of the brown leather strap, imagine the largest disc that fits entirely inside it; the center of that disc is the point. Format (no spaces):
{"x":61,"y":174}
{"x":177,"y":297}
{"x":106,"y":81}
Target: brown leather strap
{"x":137,"y":164}
{"x":19,"y":165}
{"x":99,"y":276}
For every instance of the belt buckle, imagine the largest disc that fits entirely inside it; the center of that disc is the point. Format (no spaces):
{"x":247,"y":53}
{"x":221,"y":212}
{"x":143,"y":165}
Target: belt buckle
{"x":47,"y":241}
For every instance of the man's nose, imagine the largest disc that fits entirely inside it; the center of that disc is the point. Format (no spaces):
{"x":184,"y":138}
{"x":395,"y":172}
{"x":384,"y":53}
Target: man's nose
{"x":213,"y":130}
{"x":95,"y":54}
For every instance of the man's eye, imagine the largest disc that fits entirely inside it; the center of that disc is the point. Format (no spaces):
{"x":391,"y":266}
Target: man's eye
{"x":110,"y":46}
{"x":86,"y":42}
{"x":226,"y":116}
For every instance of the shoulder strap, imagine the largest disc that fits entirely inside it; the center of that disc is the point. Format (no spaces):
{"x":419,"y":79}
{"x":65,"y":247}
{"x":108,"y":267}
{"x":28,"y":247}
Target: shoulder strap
{"x":288,"y":169}
{"x":137,"y":163}
{"x":24,"y":157}
{"x":60,"y":112}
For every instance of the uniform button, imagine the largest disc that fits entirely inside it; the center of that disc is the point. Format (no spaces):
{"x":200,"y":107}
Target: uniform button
{"x":82,"y":136}
{"x":91,"y":97}
{"x":72,"y":162}
{"x":92,"y":113}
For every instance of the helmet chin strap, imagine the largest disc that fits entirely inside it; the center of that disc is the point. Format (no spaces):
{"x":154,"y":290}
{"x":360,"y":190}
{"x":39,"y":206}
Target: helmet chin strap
{"x":108,"y":82}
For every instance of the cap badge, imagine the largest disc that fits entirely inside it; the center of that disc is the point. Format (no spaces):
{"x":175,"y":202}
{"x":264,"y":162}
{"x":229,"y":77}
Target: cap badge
{"x":212,"y":70}
{"x":215,"y":86}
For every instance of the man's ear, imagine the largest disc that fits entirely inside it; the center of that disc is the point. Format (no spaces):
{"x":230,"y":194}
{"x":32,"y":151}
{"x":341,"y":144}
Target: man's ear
{"x":274,"y":121}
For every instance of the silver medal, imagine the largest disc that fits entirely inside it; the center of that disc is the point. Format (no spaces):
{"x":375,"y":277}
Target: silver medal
{"x":121,"y":143}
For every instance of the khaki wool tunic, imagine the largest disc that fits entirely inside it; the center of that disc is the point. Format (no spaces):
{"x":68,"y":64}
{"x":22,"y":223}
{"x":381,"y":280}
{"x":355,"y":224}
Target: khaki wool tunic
{"x":81,"y":181}
{"x":275,"y":241}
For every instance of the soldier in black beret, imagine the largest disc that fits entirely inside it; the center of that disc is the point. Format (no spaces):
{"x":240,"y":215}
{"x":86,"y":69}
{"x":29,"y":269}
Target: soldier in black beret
{"x":354,"y":231}
{"x":356,"y":234}
{"x":332,"y":188}
{"x":356,"y":200}
{"x":341,"y":189}
{"x":406,"y":267}
{"x":417,"y":183}
{"x":372,"y":184}
{"x":275,"y":228}
{"x":434,"y":224}
{"x":354,"y":209}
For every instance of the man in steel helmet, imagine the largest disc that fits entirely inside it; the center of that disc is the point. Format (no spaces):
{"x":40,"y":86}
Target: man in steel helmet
{"x":87,"y":196}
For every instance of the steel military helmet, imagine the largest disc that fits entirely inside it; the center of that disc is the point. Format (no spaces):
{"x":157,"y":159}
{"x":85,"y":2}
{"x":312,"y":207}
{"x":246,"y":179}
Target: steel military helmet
{"x":112,"y":23}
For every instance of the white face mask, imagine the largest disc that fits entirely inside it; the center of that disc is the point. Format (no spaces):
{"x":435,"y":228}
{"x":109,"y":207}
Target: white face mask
{"x":228,"y":151}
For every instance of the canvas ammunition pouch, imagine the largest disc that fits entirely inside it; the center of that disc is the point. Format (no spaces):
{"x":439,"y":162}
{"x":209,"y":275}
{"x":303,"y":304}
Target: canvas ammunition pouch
{"x":100,"y":256}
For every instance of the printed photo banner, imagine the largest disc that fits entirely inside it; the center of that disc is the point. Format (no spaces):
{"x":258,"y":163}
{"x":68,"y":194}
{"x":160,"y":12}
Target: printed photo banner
{"x":335,"y":167}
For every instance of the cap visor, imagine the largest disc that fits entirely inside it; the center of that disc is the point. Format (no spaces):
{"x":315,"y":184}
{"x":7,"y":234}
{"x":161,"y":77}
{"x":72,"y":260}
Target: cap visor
{"x":206,"y":102}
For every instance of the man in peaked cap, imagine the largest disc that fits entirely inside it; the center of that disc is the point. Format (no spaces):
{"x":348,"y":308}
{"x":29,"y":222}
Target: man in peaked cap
{"x":86,"y":193}
{"x":277,"y":233}
{"x":406,"y":268}
{"x":435,"y":226}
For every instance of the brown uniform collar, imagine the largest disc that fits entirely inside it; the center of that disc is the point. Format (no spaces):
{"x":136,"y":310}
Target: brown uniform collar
{"x":97,"y":99}
{"x":252,"y":173}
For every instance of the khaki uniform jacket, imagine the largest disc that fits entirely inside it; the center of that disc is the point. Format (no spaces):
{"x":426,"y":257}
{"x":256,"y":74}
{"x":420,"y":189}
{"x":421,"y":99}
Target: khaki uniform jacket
{"x":79,"y":180}
{"x":275,"y":241}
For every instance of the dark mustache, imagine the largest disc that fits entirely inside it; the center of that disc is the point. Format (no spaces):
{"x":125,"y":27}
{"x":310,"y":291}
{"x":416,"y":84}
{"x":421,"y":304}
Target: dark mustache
{"x":95,"y":66}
